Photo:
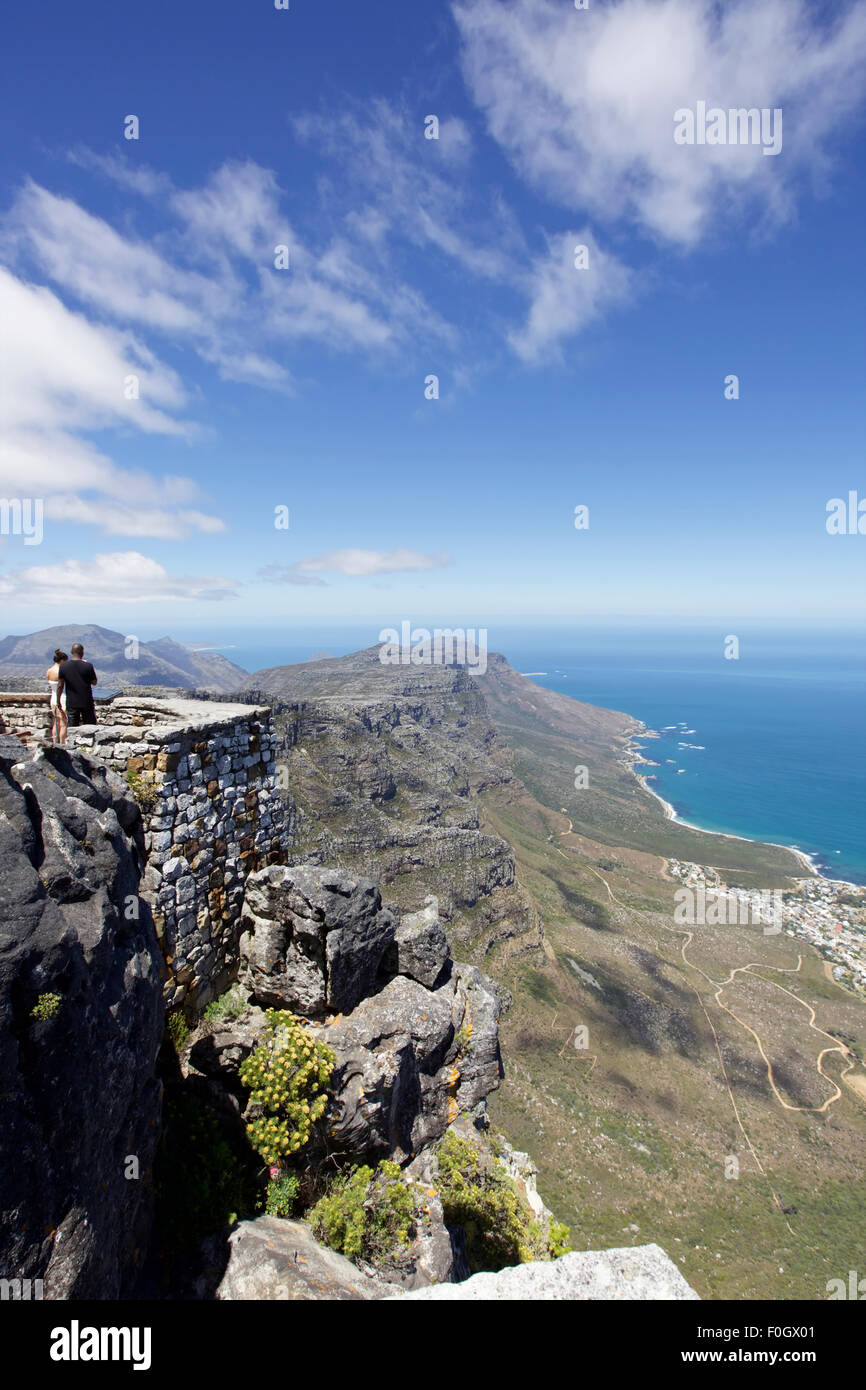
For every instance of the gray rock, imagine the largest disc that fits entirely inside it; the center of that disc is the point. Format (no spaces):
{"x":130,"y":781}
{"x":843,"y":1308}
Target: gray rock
{"x":637,"y":1272}
{"x":219,"y":1052}
{"x":410,"y":1060}
{"x":437,"y":1254}
{"x":313,"y":939}
{"x":79,"y":1088}
{"x":173,"y":868}
{"x":281,"y":1260}
{"x":381,"y":1049}
{"x":420,"y":947}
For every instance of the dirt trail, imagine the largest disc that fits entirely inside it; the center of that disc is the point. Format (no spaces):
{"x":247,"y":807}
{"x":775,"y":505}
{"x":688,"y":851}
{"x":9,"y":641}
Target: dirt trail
{"x":857,"y":1083}
{"x":751,"y":968}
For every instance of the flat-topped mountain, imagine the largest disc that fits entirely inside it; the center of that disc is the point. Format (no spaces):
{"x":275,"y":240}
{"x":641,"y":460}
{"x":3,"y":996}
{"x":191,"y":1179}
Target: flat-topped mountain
{"x":382,"y":767}
{"x":118,"y":661}
{"x":357,"y":677}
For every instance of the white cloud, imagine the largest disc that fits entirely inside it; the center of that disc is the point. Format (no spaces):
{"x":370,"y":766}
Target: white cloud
{"x":126,"y":279}
{"x":565,"y":297}
{"x":209,"y":276}
{"x":239,"y":205}
{"x":583,"y":100}
{"x":355,"y":563}
{"x":404,"y":187}
{"x":57,"y":367}
{"x":140,"y":178}
{"x":63,"y":374}
{"x":60,"y":374}
{"x":121,"y":577}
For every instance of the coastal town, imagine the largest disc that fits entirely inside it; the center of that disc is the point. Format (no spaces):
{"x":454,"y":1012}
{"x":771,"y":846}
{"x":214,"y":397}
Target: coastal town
{"x":827,"y":913}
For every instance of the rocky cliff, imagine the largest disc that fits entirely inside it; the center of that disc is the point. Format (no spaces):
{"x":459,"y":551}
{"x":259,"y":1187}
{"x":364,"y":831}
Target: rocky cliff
{"x":81,"y":1019}
{"x":366,"y":973}
{"x":381,"y":770}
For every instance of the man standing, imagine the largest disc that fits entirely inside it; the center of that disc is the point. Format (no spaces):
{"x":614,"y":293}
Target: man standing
{"x":79,"y":679}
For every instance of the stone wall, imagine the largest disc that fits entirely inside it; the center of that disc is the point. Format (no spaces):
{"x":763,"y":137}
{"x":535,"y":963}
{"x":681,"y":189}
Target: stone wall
{"x":204,"y":775}
{"x":25,"y":714}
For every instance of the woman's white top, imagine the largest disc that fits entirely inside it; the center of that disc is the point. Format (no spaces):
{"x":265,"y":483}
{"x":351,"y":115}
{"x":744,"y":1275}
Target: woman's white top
{"x":53,"y":687}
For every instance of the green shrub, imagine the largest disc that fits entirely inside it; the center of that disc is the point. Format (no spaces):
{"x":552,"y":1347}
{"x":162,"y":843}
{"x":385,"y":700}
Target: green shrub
{"x":366,"y":1213}
{"x":282,"y":1194}
{"x":287,"y":1075}
{"x":478,"y":1195}
{"x":463,"y":1039}
{"x":145,"y":793}
{"x":558,"y":1238}
{"x":178,"y":1031}
{"x":46,"y":1006}
{"x":229,"y":1005}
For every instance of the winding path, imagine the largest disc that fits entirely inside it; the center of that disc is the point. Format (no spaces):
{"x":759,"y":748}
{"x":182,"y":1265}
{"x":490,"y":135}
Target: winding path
{"x":718,"y":987}
{"x":751,"y":968}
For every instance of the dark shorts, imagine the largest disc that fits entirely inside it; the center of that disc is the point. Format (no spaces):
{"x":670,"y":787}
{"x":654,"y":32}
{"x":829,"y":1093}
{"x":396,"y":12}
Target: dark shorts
{"x":81,"y":716}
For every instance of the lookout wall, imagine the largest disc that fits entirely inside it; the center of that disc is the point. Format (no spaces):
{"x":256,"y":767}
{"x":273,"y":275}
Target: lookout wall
{"x":204,"y":775}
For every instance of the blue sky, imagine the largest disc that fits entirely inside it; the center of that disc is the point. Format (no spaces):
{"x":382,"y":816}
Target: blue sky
{"x":305,"y":388}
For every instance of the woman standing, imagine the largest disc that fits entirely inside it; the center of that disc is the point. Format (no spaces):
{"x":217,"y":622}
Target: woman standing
{"x":58,"y":698}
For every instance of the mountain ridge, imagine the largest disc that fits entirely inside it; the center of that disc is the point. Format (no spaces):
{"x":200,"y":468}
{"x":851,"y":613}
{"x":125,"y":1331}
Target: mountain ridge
{"x":161,"y":662}
{"x":632,"y":1128}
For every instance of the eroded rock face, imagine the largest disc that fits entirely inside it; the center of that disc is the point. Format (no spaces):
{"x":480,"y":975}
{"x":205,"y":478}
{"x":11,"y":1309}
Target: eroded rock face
{"x":281,"y":1260}
{"x":420,"y":947}
{"x":639,"y":1272}
{"x":313,"y":939}
{"x":384,"y":765}
{"x":413,"y":1051}
{"x":80,"y":1096}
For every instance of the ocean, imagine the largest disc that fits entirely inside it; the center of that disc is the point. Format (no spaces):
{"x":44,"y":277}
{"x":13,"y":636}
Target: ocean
{"x":771,"y":745}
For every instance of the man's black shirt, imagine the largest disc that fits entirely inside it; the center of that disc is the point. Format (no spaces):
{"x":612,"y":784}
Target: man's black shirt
{"x":79,"y":679}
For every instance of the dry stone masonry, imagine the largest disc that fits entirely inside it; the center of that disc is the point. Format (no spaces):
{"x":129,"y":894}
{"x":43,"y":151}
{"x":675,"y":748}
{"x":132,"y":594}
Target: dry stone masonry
{"x":25,"y":714}
{"x":204,"y":775}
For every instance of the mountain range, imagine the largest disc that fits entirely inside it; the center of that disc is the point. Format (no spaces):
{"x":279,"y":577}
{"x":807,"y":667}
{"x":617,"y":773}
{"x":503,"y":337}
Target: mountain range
{"x":668,"y":1082}
{"x":118,"y":662}
{"x":702,"y":1088}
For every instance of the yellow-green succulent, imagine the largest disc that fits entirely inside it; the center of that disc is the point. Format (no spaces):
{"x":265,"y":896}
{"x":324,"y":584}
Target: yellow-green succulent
{"x":287,"y":1075}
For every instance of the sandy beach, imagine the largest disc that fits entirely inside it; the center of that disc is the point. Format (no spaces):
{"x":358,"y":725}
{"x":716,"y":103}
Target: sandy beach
{"x":808,"y":863}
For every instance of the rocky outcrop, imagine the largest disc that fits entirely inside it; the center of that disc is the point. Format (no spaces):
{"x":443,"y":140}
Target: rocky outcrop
{"x":81,"y":1018}
{"x":638,"y":1272}
{"x":420,"y":947}
{"x":411,"y":1057}
{"x":313,"y":939}
{"x":382,"y":767}
{"x":282,"y":1260}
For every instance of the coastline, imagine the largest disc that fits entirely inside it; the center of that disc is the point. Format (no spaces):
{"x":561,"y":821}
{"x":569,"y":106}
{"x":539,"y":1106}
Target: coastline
{"x":807,"y":861}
